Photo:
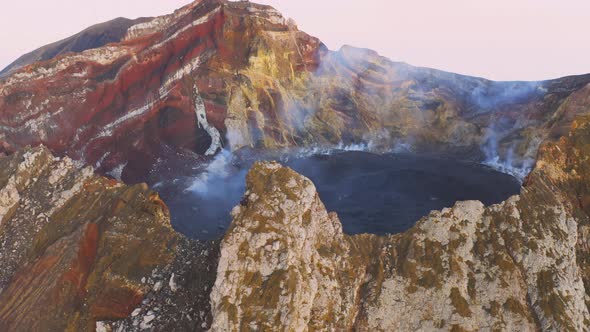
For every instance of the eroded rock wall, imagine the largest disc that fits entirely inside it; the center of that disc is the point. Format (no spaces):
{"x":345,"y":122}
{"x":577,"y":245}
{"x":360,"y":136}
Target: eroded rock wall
{"x":79,"y":251}
{"x":264,"y":84}
{"x":284,"y":251}
{"x":84,"y":252}
{"x":518,"y":265}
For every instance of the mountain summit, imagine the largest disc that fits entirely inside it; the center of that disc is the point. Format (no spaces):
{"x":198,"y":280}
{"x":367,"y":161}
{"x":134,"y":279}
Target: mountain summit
{"x":121,"y":94}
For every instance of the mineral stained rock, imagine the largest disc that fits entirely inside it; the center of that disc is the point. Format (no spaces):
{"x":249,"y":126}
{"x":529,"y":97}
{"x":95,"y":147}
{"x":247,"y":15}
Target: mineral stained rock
{"x":79,"y":251}
{"x":263,"y":84}
{"x":520,"y":265}
{"x":83,"y":252}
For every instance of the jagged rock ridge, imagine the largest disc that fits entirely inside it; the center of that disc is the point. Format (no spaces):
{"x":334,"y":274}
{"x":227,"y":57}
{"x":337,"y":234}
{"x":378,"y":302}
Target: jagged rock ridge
{"x":519,"y":265}
{"x":94,"y":253}
{"x":79,"y":251}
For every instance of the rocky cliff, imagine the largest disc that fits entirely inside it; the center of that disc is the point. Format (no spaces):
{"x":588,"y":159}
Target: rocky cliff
{"x":263,"y":84}
{"x":78,"y":251}
{"x":83,"y":252}
{"x":520,"y":265}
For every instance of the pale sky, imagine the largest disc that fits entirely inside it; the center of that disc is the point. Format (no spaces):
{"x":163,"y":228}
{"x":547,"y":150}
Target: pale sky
{"x":496,"y":39}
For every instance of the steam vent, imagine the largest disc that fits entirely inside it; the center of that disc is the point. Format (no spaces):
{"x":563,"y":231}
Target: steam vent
{"x":217,"y":169}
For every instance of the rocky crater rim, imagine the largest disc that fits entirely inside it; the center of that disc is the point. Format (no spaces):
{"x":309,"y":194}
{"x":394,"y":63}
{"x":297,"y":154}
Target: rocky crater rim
{"x":517,"y":265}
{"x":266,"y":178}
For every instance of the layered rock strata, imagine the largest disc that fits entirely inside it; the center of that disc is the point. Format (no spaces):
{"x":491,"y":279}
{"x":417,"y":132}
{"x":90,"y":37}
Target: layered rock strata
{"x":79,"y":252}
{"x":263,"y":84}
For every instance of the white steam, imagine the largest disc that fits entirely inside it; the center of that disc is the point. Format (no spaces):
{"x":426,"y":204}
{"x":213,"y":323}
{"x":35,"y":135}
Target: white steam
{"x":218,"y":170}
{"x":506,"y":166}
{"x":508,"y":163}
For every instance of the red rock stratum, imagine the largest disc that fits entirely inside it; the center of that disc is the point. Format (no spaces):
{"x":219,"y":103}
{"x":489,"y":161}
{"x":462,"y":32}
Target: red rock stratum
{"x":264,"y":84}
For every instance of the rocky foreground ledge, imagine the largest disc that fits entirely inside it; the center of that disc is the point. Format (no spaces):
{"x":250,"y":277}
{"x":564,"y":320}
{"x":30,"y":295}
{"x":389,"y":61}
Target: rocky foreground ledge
{"x":521,"y":265}
{"x":82,"y":252}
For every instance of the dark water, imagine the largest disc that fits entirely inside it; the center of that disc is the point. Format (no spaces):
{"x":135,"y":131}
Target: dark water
{"x":372,"y":193}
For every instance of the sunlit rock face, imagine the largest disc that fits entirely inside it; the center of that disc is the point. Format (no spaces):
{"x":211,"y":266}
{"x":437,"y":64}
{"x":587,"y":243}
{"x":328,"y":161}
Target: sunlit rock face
{"x":264,"y":84}
{"x":518,"y":265}
{"x":78,"y":251}
{"x":282,"y":263}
